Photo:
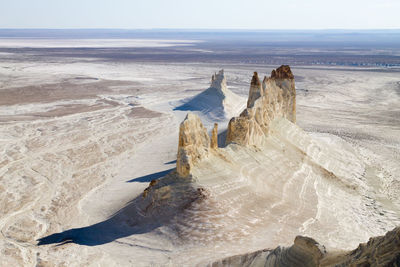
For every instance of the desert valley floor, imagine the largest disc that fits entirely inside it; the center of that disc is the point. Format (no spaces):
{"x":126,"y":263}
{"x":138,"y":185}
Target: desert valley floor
{"x":80,"y":138}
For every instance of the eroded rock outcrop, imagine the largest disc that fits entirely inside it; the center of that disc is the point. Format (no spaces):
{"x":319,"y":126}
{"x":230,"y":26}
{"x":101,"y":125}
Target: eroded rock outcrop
{"x":379,"y":251}
{"x":305,"y":252}
{"x":275,"y":97}
{"x":214,"y":136}
{"x":217,"y":102}
{"x":194,"y":144}
{"x":218,"y":81}
{"x":256,"y":91}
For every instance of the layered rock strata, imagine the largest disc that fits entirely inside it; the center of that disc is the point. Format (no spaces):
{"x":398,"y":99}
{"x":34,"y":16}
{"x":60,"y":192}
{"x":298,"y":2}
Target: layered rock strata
{"x":306,"y":252}
{"x":214,"y":136}
{"x":273,"y":98}
{"x":194,"y":144}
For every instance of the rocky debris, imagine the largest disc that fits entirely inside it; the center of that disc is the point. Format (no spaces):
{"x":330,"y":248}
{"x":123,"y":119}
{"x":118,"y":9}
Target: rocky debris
{"x":379,"y":251}
{"x":275,"y":98}
{"x":194,"y":143}
{"x":214,"y":136}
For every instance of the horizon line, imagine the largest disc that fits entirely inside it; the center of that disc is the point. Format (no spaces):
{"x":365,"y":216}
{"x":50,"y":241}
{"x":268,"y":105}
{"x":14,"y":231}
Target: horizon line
{"x":215,"y":29}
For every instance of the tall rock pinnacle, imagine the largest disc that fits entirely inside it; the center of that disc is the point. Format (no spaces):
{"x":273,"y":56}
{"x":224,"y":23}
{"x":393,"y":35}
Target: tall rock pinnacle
{"x":214,"y":136}
{"x":275,"y":98}
{"x":194,"y":144}
{"x":218,"y":81}
{"x":255,"y":91}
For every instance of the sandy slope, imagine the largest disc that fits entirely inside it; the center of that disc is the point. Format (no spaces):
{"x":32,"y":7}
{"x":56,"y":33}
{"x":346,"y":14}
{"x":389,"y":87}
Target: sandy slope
{"x":81,"y":164}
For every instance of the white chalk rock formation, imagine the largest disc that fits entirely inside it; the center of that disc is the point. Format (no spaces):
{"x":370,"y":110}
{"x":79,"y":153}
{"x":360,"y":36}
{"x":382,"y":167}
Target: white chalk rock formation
{"x":217,"y":102}
{"x":194,"y":144}
{"x":274,"y":98}
{"x":272,"y":179}
{"x":306,"y":252}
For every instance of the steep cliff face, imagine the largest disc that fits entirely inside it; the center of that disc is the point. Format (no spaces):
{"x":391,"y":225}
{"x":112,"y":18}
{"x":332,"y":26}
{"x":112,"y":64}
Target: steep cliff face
{"x":214,"y":136}
{"x":274,"y":98}
{"x":273,"y":180}
{"x":256,"y":91}
{"x":193,"y":145}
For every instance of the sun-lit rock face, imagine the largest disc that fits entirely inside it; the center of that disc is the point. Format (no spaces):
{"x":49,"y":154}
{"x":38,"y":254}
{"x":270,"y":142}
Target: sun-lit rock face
{"x":214,"y":136}
{"x":305,"y":252}
{"x":256,"y":90}
{"x":274,"y":98}
{"x":194,"y":144}
{"x":379,"y":251}
{"x":218,"y":81}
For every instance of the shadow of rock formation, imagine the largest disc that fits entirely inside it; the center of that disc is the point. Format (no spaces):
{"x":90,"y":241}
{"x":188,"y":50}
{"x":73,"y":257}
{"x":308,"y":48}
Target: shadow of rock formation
{"x":154,"y":176}
{"x":161,"y":202}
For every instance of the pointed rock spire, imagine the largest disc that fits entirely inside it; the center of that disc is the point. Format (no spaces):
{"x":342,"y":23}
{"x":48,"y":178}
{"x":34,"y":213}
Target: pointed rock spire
{"x":274,"y":98}
{"x":255,"y":91}
{"x":218,"y":81}
{"x":214,"y":136}
{"x":194,"y":143}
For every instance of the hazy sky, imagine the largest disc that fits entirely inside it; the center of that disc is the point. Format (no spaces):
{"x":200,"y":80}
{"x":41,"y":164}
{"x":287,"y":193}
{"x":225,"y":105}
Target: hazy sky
{"x":205,"y":14}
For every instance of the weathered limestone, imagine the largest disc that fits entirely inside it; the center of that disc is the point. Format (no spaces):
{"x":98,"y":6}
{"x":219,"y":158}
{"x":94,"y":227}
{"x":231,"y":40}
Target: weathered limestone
{"x":194,"y":144}
{"x":256,"y":90}
{"x":275,"y":98}
{"x":379,"y":251}
{"x":218,"y":81}
{"x":214,"y":136}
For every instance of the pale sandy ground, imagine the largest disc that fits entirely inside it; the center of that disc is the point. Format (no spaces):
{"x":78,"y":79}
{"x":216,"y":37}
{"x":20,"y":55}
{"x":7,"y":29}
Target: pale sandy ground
{"x":89,"y":43}
{"x":79,"y":140}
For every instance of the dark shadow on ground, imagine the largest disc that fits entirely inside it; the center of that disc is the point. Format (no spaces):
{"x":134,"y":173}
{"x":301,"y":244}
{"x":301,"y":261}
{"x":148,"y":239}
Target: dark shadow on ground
{"x":148,"y":178}
{"x":222,"y":138}
{"x":141,"y":215}
{"x":170,"y":162}
{"x":120,"y":225}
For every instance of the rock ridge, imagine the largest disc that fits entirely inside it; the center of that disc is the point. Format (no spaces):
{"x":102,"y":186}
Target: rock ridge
{"x":306,"y":252}
{"x":273,"y":98}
